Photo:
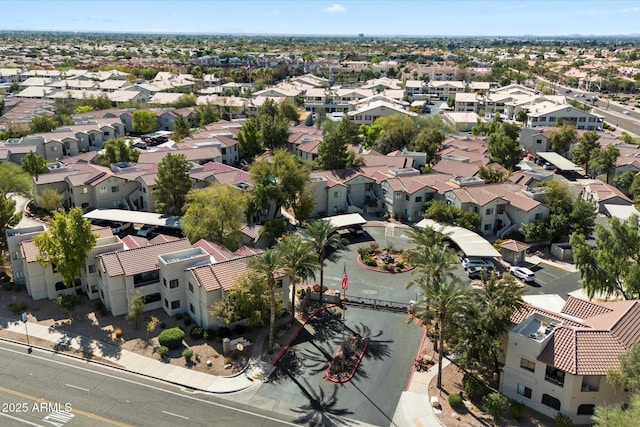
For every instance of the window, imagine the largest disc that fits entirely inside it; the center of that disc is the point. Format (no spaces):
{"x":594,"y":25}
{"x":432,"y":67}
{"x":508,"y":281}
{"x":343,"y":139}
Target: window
{"x":224,"y":151}
{"x":190,"y":287}
{"x":336,"y":194}
{"x":543,"y":119}
{"x":144,"y":189}
{"x":166,"y":303}
{"x":552,"y":119}
{"x":146,"y":278}
{"x":487,"y":227}
{"x":524,"y":391}
{"x":60,"y":286}
{"x":278,"y":283}
{"x":152,"y":298}
{"x":488,"y":211}
{"x":16,"y":255}
{"x":92,"y":268}
{"x":53,"y":148}
{"x":590,"y":383}
{"x":192,"y":309}
{"x":164,"y":282}
{"x":174,"y":284}
{"x":527,"y":364}
{"x":554,"y":375}
{"x":85,"y":206}
{"x":551,"y":402}
{"x":175,"y":304}
{"x":418,"y":199}
{"x":85,"y":190}
{"x":94,"y":289}
{"x":592,"y":119}
{"x":103,"y":190}
{"x":586,"y":409}
{"x":105,"y":133}
{"x":538,"y":141}
{"x":538,"y":216}
{"x":582,"y":119}
{"x":18,"y":274}
{"x":115,"y":189}
{"x":398,"y":196}
{"x":407,"y":198}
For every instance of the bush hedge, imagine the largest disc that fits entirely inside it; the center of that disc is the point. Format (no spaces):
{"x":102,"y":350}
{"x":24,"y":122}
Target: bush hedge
{"x":171,"y":338}
{"x":17,"y":308}
{"x":473,"y":388}
{"x":197,"y":333}
{"x":455,"y":400}
{"x":163,"y":352}
{"x":209,"y":334}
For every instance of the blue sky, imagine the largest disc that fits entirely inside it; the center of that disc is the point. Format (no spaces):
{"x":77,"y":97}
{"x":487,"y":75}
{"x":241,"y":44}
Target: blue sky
{"x":422,"y":18}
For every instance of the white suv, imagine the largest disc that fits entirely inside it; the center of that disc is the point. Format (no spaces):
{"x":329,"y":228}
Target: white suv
{"x":523,"y":274}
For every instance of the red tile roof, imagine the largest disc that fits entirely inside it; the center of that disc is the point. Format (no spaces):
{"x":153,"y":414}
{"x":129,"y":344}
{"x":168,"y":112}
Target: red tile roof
{"x":138,"y":260}
{"x":583,"y":309}
{"x":221,"y":275}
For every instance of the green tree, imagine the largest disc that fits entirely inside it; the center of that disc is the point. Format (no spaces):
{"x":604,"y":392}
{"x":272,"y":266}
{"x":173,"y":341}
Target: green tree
{"x":429,"y":141}
{"x":370,"y":134}
{"x":266,"y":267}
{"x":181,"y":129}
{"x":603,"y":160}
{"x":34,"y":164}
{"x":247,"y":299}
{"x":399,"y":130}
{"x":208,"y":113}
{"x":334,"y":151}
{"x":303,"y":206}
{"x":561,"y":138}
{"x":82,"y":109}
{"x":186,"y":100}
{"x":118,"y":150}
{"x":144,"y":121}
{"x":504,"y":150}
{"x":13,"y":179}
{"x":8,"y":216}
{"x":67,"y":302}
{"x":439,"y":210}
{"x":279,"y":179}
{"x":172,"y":184}
{"x":522,"y":116}
{"x":326,"y":241}
{"x":42,"y":124}
{"x":587,"y":145}
{"x":249,"y":138}
{"x":49,"y":199}
{"x":627,"y":375}
{"x":634,"y":188}
{"x":215,"y":213}
{"x":624,"y":180}
{"x":66,"y":243}
{"x":495,"y":404}
{"x":299,"y":262}
{"x":288,"y":110}
{"x":493,"y":175}
{"x":616,"y":415}
{"x":611,"y":267}
{"x":136,"y":308}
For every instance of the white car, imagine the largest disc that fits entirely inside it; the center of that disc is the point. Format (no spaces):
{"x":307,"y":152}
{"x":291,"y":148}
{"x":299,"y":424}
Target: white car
{"x":523,"y":274}
{"x":626,"y":113}
{"x":146,"y":231}
{"x":119,"y":227}
{"x":476,"y":263}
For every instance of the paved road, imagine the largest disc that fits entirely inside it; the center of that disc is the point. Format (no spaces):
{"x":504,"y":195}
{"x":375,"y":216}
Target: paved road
{"x":372,"y":395}
{"x":104,"y":397}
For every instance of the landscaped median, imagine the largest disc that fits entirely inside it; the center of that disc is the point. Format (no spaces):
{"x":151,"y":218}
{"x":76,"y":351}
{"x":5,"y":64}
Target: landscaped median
{"x":345,"y":362}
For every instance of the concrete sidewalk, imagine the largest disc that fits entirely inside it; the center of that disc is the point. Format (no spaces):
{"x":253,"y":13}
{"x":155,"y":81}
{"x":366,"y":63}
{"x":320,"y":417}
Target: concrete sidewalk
{"x":257,"y":370}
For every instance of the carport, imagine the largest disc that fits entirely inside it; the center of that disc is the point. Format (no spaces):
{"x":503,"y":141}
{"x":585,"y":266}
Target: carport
{"x":345,"y":221}
{"x":472,"y":244}
{"x":558,"y":161}
{"x":138,"y":217}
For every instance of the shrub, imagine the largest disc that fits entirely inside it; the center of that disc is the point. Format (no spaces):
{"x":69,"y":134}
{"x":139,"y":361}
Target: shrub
{"x":374,"y":247}
{"x":455,"y":400}
{"x":370,"y":262}
{"x":363,"y":251}
{"x":473,"y":388}
{"x":209,"y":334}
{"x":495,"y":404}
{"x":197,"y":332}
{"x":400,"y":265}
{"x":223,"y":332}
{"x":163,"y":352}
{"x":171,"y":338}
{"x":562,"y":420}
{"x":517,"y":410}
{"x":17,"y":308}
{"x":187,"y":353}
{"x":117,"y":332}
{"x":240,"y":329}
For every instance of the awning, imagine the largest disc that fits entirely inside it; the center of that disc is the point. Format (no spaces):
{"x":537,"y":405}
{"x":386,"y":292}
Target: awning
{"x":472,"y":244}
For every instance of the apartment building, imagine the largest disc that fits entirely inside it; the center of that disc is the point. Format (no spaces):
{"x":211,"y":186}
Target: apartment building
{"x":557,"y":360}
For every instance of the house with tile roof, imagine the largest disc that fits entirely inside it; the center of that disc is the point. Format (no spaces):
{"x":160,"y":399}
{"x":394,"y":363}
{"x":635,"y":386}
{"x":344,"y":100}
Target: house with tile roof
{"x":605,"y":194}
{"x":557,"y":361}
{"x":501,"y":207}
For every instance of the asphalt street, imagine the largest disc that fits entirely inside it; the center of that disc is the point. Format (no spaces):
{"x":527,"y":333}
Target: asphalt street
{"x":41,"y":389}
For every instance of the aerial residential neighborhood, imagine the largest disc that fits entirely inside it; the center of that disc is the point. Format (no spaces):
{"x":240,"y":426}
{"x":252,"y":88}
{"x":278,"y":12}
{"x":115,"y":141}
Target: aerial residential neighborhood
{"x":319,"y":225}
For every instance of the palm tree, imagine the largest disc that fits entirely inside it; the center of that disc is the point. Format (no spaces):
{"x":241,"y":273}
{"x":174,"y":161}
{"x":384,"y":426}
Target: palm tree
{"x":444,"y":298}
{"x":266,"y":266}
{"x":299,"y":261}
{"x":323,"y":236}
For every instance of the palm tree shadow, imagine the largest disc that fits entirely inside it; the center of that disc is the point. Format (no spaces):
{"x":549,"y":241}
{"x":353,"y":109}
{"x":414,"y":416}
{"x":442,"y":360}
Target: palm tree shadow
{"x":376,"y":349}
{"x":321,"y":409}
{"x":326,"y":325}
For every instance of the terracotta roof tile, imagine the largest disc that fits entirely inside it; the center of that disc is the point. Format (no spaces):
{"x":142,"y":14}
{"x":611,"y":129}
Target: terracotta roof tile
{"x":132,"y":242}
{"x":138,"y":260}
{"x":514,"y":246}
{"x":583,"y":309}
{"x":221,"y":275}
{"x":216,"y":250}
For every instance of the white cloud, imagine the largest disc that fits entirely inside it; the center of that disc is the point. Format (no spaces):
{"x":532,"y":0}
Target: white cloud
{"x":633,"y":9}
{"x":336,"y":8}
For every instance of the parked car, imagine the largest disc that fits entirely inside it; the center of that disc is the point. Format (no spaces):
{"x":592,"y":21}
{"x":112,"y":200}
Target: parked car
{"x":146,"y":230}
{"x":476,"y":262}
{"x":626,"y":112}
{"x":476,"y":272}
{"x":141,"y":145}
{"x":523,"y":274}
{"x":119,"y":227}
{"x":548,"y":166}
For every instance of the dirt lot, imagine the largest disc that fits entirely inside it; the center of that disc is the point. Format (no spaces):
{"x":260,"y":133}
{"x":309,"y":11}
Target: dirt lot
{"x":86,"y":322}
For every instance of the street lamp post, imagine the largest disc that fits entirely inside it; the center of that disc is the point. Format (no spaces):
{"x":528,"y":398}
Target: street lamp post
{"x":24,"y":320}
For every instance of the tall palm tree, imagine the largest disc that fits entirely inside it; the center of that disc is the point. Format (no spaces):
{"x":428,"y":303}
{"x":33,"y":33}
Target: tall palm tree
{"x":266,"y":267}
{"x":444,"y":298}
{"x":299,"y":261}
{"x":324,"y":236}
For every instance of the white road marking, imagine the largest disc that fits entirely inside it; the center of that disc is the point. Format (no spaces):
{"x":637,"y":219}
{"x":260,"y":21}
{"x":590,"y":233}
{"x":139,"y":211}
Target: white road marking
{"x":175,"y":415}
{"x":21,"y":420}
{"x":76,"y":387}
